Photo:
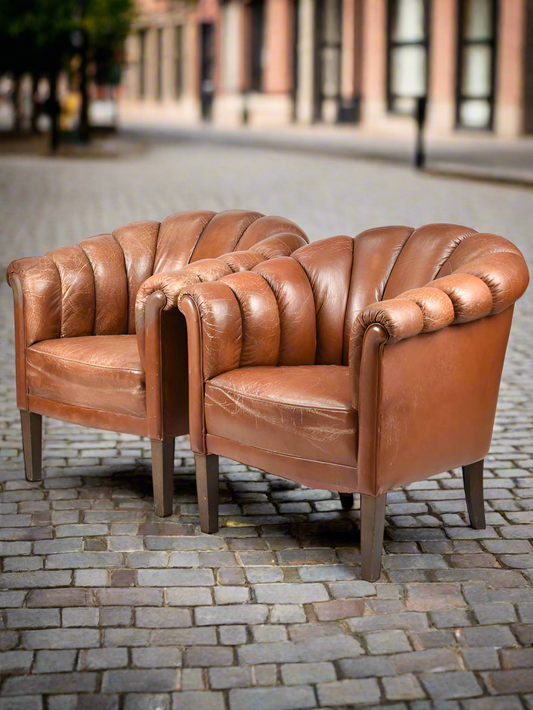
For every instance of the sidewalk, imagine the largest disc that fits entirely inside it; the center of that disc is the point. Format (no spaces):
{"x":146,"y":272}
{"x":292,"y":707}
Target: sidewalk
{"x":467,"y":155}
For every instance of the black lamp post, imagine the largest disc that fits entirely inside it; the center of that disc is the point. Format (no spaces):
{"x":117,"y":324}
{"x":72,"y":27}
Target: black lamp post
{"x":420,"y":117}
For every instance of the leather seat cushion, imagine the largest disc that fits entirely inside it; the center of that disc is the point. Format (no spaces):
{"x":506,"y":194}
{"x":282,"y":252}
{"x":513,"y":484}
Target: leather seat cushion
{"x":101,"y":372}
{"x":302,"y":411}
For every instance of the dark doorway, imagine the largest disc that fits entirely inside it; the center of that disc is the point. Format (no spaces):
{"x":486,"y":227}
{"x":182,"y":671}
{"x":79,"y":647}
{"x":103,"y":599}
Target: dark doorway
{"x":257,"y":35}
{"x":328,"y":33}
{"x":476,"y":66}
{"x":207,"y":69}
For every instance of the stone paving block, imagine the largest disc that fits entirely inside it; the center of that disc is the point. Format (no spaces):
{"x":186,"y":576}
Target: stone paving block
{"x":403,"y":687}
{"x":501,"y":682}
{"x":133,"y":681}
{"x":156,"y":657}
{"x":79,"y":616}
{"x":486,"y":636}
{"x":54,"y":661}
{"x":293,"y":698}
{"x":175,"y":577}
{"x":348,"y":692}
{"x":287,"y":614}
{"x":387,"y":642}
{"x":231,"y":614}
{"x":290,"y":593}
{"x":96,"y":659}
{"x":366,"y":667}
{"x":304,"y":673}
{"x":32,"y":618}
{"x":50,"y":683}
{"x":183,"y":637}
{"x":232,"y":635}
{"x":507,"y":702}
{"x":207,"y":656}
{"x":57,"y":598}
{"x":16,"y":661}
{"x":129,"y":597}
{"x":231,"y":595}
{"x":198,"y":700}
{"x":27,"y":702}
{"x":153,"y":618}
{"x":481,"y":659}
{"x":61,"y":638}
{"x":223,"y":678}
{"x":447,"y":686}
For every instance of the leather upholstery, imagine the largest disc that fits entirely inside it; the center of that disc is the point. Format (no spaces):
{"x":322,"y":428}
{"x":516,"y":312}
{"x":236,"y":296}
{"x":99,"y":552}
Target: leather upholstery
{"x":302,"y":412}
{"x":341,"y":353}
{"x":86,"y":354}
{"x":101,"y":372}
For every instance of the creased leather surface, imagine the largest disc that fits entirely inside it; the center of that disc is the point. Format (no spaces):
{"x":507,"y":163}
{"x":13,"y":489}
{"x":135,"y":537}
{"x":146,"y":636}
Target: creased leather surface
{"x":433,"y":355}
{"x":96,"y":372}
{"x":299,"y":411}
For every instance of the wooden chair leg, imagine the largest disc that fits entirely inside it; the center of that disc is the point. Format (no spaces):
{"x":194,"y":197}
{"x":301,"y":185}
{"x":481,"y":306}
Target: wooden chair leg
{"x":346,"y":500}
{"x":473,"y":482}
{"x":372,"y":529}
{"x":32,"y":444}
{"x":163,"y":476}
{"x":207,"y":487}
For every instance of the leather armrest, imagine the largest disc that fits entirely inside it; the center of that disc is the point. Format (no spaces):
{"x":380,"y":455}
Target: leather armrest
{"x":459,"y":298}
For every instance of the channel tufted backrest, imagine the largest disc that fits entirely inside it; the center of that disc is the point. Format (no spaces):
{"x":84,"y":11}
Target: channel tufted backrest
{"x":90,"y":288}
{"x":321,"y":289}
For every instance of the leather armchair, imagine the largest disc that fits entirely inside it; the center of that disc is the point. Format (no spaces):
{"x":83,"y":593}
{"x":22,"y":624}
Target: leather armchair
{"x":354,"y":365}
{"x":99,"y":339}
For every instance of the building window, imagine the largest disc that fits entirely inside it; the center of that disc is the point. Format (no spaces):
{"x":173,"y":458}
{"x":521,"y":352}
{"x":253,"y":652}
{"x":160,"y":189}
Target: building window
{"x":257,"y":35}
{"x":179,"y":60}
{"x":408,"y":42}
{"x":160,"y":64}
{"x":476,"y":63}
{"x":142,"y":63}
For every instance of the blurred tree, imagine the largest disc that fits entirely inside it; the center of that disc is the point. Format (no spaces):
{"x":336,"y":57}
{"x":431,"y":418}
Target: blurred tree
{"x":104,"y":26}
{"x":39,"y":37}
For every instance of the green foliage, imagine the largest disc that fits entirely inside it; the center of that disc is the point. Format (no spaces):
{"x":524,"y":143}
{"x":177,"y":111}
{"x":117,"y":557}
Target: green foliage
{"x":38,"y":36}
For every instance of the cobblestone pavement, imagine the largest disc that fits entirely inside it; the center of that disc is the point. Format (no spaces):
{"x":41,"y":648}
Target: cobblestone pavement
{"x":102,"y":598}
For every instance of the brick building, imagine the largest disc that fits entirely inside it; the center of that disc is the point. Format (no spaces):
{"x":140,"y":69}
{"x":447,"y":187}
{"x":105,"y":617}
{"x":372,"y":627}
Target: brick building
{"x":364,"y":62}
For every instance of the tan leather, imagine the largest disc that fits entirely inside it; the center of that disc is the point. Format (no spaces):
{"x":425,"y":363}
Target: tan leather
{"x":82,"y":351}
{"x":95,"y":372}
{"x":304,"y":412}
{"x":427,"y":313}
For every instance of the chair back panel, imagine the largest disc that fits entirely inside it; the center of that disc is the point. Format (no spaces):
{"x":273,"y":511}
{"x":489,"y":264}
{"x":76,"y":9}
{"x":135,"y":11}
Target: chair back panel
{"x":423,"y":255}
{"x":328,"y":266}
{"x":178,"y":235}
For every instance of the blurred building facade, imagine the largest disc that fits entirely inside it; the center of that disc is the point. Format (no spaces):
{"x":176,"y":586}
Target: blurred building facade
{"x":361,"y":62}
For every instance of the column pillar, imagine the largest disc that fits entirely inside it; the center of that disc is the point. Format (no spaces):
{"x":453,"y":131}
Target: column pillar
{"x":509,"y":117}
{"x":306,"y":62}
{"x":443,"y":66}
{"x":374,"y":105}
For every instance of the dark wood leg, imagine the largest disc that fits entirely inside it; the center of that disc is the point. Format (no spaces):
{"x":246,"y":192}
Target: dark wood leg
{"x":346,"y":500}
{"x":372,"y":529}
{"x":473,"y":482}
{"x":32,"y":444}
{"x":163,"y":476}
{"x":207,"y":487}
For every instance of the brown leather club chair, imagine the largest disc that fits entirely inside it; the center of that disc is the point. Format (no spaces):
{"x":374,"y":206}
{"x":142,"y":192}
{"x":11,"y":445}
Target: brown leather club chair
{"x":355,"y":365}
{"x":87,"y":353}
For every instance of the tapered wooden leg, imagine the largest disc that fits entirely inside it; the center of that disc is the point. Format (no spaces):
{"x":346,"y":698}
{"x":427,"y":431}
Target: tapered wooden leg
{"x":207,"y":487}
{"x":163,"y":476}
{"x":32,"y":444}
{"x":473,"y":482}
{"x":346,"y":500}
{"x":372,"y":529}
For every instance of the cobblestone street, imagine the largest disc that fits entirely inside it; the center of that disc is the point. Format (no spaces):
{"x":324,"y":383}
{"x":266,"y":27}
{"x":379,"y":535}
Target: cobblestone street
{"x":99,"y":596}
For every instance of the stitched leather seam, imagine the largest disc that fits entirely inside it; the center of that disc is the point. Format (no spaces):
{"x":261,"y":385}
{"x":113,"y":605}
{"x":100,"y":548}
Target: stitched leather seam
{"x":277,"y":403}
{"x":234,"y":247}
{"x":81,"y":362}
{"x":199,"y":237}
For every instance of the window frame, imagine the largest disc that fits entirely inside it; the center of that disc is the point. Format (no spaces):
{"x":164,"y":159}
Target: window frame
{"x":394,"y":44}
{"x":462,"y":43}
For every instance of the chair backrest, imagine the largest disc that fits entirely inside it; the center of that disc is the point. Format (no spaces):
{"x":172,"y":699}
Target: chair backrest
{"x":90,"y":288}
{"x":334,"y":279}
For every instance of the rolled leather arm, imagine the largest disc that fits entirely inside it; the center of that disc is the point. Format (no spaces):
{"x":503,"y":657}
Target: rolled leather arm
{"x":459,"y":298}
